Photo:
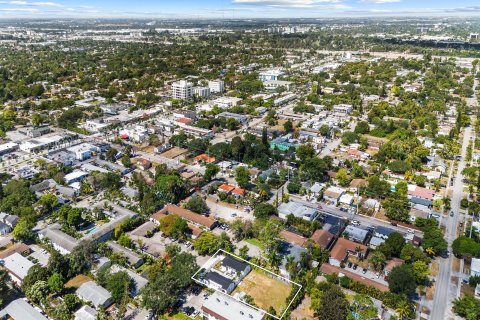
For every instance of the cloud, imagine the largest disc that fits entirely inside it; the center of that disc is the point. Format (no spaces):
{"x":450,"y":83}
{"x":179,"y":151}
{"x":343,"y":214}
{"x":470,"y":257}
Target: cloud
{"x":380,"y":1}
{"x":32,"y":4}
{"x":319,"y":4}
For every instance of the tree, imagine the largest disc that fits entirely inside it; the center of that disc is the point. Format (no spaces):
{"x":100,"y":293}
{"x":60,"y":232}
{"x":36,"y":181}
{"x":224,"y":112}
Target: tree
{"x":334,"y":305}
{"x":392,"y":247}
{"x":207,"y":243}
{"x":196,"y":204}
{"x":119,"y":285}
{"x":397,"y":209}
{"x":211,"y":170}
{"x":401,"y":280}
{"x":364,"y":307}
{"x":467,"y":307}
{"x":377,"y":188}
{"x":4,"y":281}
{"x":23,"y":230}
{"x":466,"y":247}
{"x":342,"y":177}
{"x":126,"y":161}
{"x":38,"y":292}
{"x":433,"y":239}
{"x":264,"y":211}
{"x":404,"y":309}
{"x":305,"y":151}
{"x":170,"y":188}
{"x":56,"y":283}
{"x":125,"y":241}
{"x":420,"y":271}
{"x":362,"y":127}
{"x":242,"y":176}
{"x":36,"y":119}
{"x":173,"y":226}
{"x":47,"y":202}
{"x":288,"y":126}
{"x":376,"y":259}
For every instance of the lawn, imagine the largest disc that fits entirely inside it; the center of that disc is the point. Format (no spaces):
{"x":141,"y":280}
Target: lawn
{"x":266,"y":290}
{"x":255,"y":242}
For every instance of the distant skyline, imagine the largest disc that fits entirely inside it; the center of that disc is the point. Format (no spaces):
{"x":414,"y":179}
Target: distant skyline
{"x":228,"y":9}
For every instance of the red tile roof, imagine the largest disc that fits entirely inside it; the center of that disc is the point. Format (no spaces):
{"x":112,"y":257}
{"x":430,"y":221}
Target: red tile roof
{"x":189,"y":215}
{"x":343,"y":247}
{"x":184,"y":120}
{"x":323,"y":238}
{"x":239,"y":191}
{"x":226,"y":188}
{"x":293,"y":238}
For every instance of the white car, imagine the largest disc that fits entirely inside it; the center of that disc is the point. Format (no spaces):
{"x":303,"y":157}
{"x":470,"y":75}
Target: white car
{"x":356,"y":223}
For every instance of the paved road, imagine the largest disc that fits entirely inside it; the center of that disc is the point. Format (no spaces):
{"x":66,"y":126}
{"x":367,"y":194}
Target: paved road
{"x":446,"y":291}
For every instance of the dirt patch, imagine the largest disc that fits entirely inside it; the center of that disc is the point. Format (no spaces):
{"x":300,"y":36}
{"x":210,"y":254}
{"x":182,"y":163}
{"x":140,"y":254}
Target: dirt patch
{"x":466,"y":290}
{"x":266,"y":290}
{"x":430,"y":292}
{"x":434,"y":268}
{"x":456,"y":264}
{"x":303,"y":311}
{"x":77,"y":281}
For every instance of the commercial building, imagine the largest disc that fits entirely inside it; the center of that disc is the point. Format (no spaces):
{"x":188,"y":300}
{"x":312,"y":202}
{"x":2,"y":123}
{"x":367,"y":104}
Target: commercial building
{"x":202,"y":92}
{"x":182,"y":90}
{"x":269,"y":75}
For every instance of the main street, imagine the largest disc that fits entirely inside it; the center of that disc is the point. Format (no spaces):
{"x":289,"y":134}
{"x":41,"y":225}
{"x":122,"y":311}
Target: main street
{"x":446,"y":290}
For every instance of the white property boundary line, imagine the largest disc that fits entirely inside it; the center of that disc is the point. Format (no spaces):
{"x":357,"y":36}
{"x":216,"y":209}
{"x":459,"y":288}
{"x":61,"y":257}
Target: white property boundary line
{"x":252,"y":264}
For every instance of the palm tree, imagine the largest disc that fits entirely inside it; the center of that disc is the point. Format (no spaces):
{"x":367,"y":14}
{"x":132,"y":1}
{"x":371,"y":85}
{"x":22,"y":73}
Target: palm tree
{"x":446,"y":203}
{"x":403,"y":310}
{"x":430,"y":251}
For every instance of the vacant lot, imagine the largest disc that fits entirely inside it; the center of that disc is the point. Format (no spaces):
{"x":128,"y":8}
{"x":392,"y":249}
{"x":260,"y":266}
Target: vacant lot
{"x":266,"y":290}
{"x":77,"y":281}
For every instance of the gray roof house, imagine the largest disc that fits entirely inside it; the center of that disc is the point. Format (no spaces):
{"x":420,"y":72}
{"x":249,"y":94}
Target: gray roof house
{"x":139,"y":282}
{"x":61,"y":241}
{"x":356,"y":234}
{"x":4,"y":228}
{"x":86,"y":313}
{"x":21,"y":310}
{"x":219,"y":282}
{"x":133,"y":258}
{"x":97,"y":295}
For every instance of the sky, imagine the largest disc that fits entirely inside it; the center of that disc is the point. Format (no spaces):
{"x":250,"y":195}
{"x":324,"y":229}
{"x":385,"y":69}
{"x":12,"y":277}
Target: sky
{"x":228,"y":9}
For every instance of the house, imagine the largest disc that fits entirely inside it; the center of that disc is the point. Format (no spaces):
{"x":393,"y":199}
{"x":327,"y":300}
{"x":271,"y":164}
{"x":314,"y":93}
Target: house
{"x":355,"y":184}
{"x":356,"y":234}
{"x":233,"y":266}
{"x":17,"y":266}
{"x":221,"y":307}
{"x":239,"y":118}
{"x":419,"y":195}
{"x":382,"y":232}
{"x":143,"y":164}
{"x":138,"y":281}
{"x":18,"y":247}
{"x":204,"y":158}
{"x":188,"y":215}
{"x":296,"y":209}
{"x":239,"y":192}
{"x":86,"y":313}
{"x":94,"y":294}
{"x":133,"y":259}
{"x":332,"y":224}
{"x":390,"y":264}
{"x":375,"y":242}
{"x":226,"y":188}
{"x":60,"y":241}
{"x":316,"y":189}
{"x":9,"y":219}
{"x":323,"y":238}
{"x":4,"y":229}
{"x":346,"y":199}
{"x":21,"y":310}
{"x":333,"y":194}
{"x":75,"y":176}
{"x":293,"y":238}
{"x":475,"y":267}
{"x":343,"y":248}
{"x":218,"y":282}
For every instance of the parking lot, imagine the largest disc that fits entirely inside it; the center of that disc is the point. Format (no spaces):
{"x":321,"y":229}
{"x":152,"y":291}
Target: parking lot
{"x":366,"y":273}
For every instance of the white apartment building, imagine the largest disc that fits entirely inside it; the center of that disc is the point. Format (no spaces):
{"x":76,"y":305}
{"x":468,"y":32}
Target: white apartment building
{"x":216,"y":86}
{"x":202,"y":92}
{"x":182,"y":90}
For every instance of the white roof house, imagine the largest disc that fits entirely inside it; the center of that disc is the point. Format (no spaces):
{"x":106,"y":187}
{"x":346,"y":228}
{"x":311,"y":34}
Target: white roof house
{"x":297,"y":209}
{"x":75,"y":176}
{"x":17,"y":266}
{"x":97,"y":295}
{"x":86,"y":313}
{"x":21,"y":310}
{"x":475,"y":267}
{"x":224,"y":307}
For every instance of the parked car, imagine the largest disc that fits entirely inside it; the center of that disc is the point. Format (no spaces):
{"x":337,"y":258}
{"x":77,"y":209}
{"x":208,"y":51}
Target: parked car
{"x":364,"y":270}
{"x":349,"y":264}
{"x":355,"y":266}
{"x":356,"y":223}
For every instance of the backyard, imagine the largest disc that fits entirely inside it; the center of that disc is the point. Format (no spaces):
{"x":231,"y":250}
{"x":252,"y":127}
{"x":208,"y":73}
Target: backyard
{"x":266,"y":290}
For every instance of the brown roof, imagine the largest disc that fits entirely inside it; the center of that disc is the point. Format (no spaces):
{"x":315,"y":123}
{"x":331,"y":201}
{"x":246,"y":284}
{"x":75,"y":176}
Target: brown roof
{"x":158,"y":215}
{"x":213,"y":313}
{"x":239,"y":191}
{"x":293,"y":238}
{"x":323,"y":238}
{"x":344,"y":246}
{"x":196,"y":231}
{"x":358,"y":182}
{"x":226,"y":187}
{"x":395,"y":262}
{"x":329,"y":269}
{"x":16,"y":248}
{"x":189,"y":215}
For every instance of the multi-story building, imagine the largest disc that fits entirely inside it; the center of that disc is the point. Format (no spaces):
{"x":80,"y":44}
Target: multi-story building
{"x":202,"y":92}
{"x":216,"y":86}
{"x":182,"y":90}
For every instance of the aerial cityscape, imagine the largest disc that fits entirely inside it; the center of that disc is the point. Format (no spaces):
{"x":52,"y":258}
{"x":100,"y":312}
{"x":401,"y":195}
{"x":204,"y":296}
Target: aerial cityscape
{"x":240,"y":160}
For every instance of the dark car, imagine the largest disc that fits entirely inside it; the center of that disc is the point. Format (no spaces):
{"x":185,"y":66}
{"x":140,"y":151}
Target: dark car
{"x":364,"y":270}
{"x":355,"y":266}
{"x":349,"y":265}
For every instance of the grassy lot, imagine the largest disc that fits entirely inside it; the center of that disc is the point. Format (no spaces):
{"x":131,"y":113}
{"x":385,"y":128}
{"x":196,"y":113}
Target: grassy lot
{"x":181,"y":316}
{"x":77,"y":281}
{"x":255,"y":242}
{"x":265,"y":290}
